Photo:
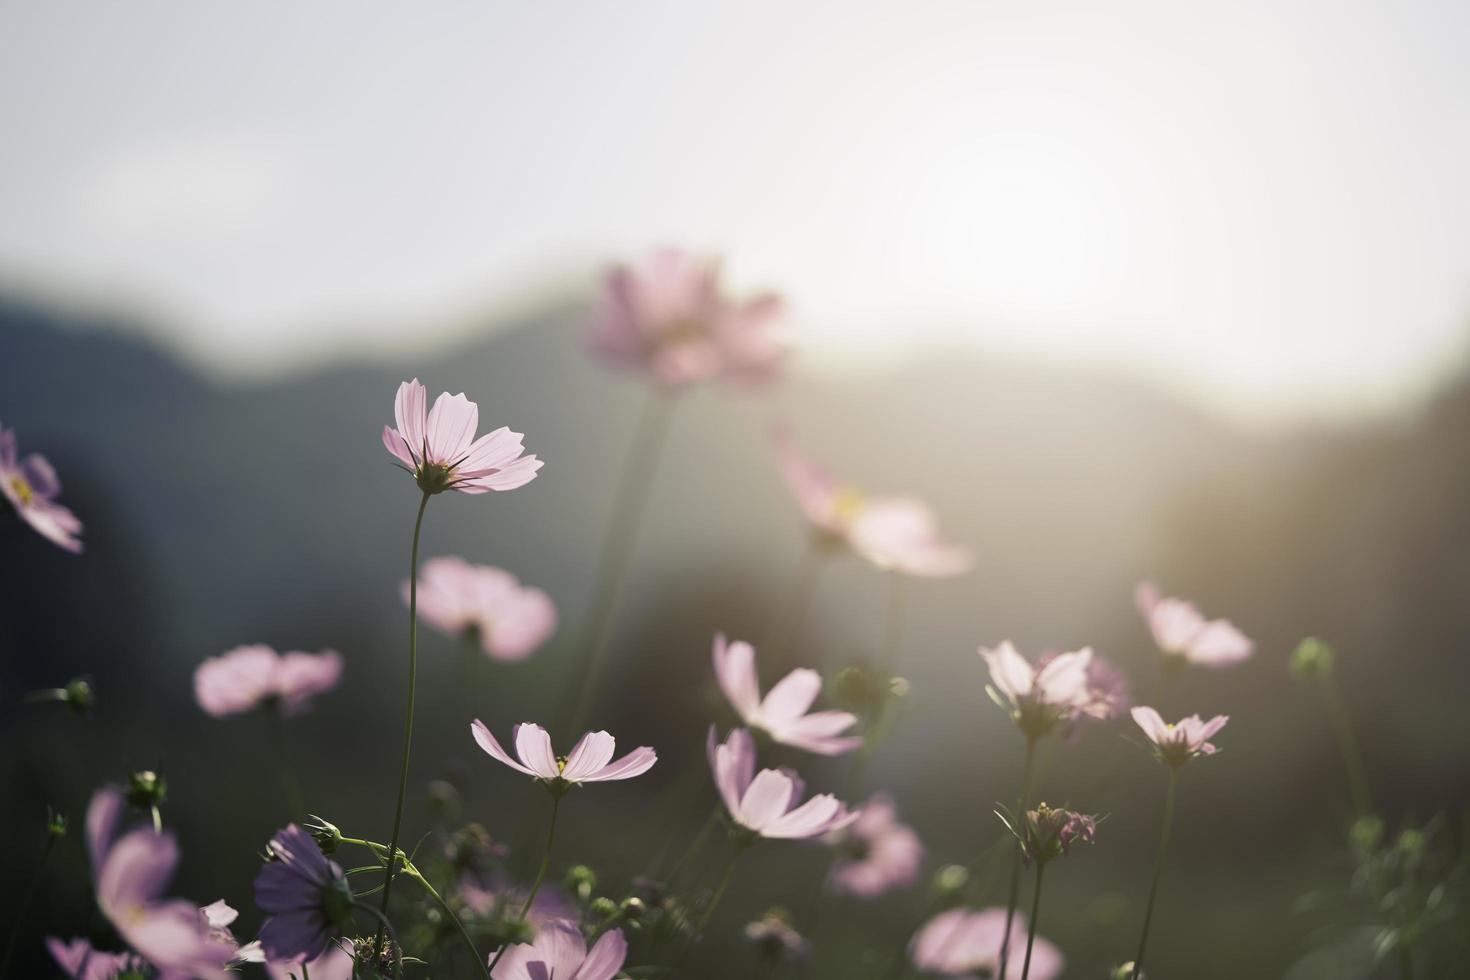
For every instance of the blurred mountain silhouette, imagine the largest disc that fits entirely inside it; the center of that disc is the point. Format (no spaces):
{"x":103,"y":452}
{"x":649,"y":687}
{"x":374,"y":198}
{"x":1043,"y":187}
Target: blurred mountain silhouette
{"x":220,"y":514}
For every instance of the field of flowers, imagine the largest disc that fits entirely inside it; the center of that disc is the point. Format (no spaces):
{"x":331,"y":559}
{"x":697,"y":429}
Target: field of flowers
{"x":785,"y":757}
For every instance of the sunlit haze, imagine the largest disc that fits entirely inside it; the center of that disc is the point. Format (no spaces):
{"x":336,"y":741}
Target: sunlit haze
{"x":1260,"y":204}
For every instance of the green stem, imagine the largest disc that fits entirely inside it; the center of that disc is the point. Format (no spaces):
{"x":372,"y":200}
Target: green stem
{"x":290,"y":786}
{"x":719,"y":894}
{"x":617,"y":546}
{"x":413,"y":666}
{"x":1352,"y":756}
{"x":25,"y":905}
{"x":1031,"y":926}
{"x":540,"y":873}
{"x":878,"y":732}
{"x":1406,"y":962}
{"x":1015,"y":890}
{"x":383,"y":923}
{"x":893,"y":636}
{"x":1153,"y":889}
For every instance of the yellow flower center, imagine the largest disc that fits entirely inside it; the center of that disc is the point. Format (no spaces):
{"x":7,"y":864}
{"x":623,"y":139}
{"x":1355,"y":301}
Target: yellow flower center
{"x":22,"y":490}
{"x":847,"y":503}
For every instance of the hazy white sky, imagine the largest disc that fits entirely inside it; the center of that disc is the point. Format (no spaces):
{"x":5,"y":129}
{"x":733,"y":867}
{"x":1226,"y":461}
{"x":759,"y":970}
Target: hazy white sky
{"x":1264,"y":203}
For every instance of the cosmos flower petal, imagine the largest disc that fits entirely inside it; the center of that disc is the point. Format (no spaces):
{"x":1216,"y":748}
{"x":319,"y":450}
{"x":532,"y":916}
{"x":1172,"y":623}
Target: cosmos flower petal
{"x":766,"y":799}
{"x":790,"y":698}
{"x":533,"y":745}
{"x":410,"y":411}
{"x":735,"y":673}
{"x":593,"y":751}
{"x":487,"y":741}
{"x":635,"y":763}
{"x":1152,"y":724}
{"x":394,"y":442}
{"x":605,"y":958}
{"x":1009,"y":671}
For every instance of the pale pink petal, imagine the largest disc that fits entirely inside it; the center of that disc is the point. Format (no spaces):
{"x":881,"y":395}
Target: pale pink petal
{"x":735,"y":673}
{"x":395,"y":444}
{"x":103,"y":812}
{"x":409,"y":411}
{"x":533,"y":745}
{"x":1219,"y":643}
{"x":732,"y":764}
{"x":492,"y":747}
{"x":522,"y":623}
{"x":451,"y":427}
{"x":237,"y":680}
{"x":790,"y":698}
{"x":635,"y":763}
{"x":561,"y":947}
{"x":1063,"y":681}
{"x":765,"y":800}
{"x":605,"y":958}
{"x":811,"y":818}
{"x":1009,"y":671}
{"x":1153,"y":726}
{"x":490,"y":452}
{"x":517,"y":474}
{"x":591,"y":753}
{"x":136,"y":871}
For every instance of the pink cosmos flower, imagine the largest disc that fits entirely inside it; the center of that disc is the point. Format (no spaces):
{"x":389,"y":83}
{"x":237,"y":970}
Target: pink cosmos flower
{"x":901,"y":534}
{"x":766,"y":803}
{"x":305,"y":896}
{"x":590,"y":760}
{"x":509,"y":620}
{"x":783,"y":714}
{"x":1042,"y":697}
{"x":1180,"y":630}
{"x":130,"y":873}
{"x":1177,"y":743}
{"x":78,"y":960}
{"x":439,"y":447}
{"x":827,"y":504}
{"x":1108,"y":691}
{"x":776,"y":941}
{"x":30,"y":487}
{"x":560,"y":953}
{"x":882,"y":853}
{"x":249,"y":676}
{"x":666,"y":317}
{"x":966,"y":943}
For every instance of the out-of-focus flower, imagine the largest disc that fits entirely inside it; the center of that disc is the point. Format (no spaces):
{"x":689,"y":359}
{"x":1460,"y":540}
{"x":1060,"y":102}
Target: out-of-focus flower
{"x":1108,"y":692}
{"x":950,"y":880}
{"x":78,"y":960}
{"x":775,"y":940}
{"x":830,"y":506}
{"x":305,"y":896}
{"x":880,"y":853}
{"x":666,"y":317}
{"x":130,"y":873}
{"x":507,"y":619}
{"x":1177,"y":743}
{"x":496,"y":893}
{"x":590,"y":761}
{"x":966,"y":943}
{"x":901,"y":534}
{"x":560,"y":953}
{"x":1180,"y":630}
{"x":1047,"y":832}
{"x":783,"y":713}
{"x":335,"y":964}
{"x":249,"y":676}
{"x":218,"y":917}
{"x":30,"y":487}
{"x":766,"y":803}
{"x":1040,"y":697}
{"x":1312,"y":658}
{"x":76,"y":695}
{"x":439,"y":447}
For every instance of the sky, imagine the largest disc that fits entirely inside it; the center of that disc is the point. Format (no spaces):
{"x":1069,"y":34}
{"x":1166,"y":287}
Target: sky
{"x":1261,"y":204}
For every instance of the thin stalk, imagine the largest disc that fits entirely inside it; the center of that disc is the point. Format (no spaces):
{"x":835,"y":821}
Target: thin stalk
{"x":413,"y":668}
{"x":1406,"y":962}
{"x":540,"y":874}
{"x":1035,"y":914}
{"x":1153,"y":889}
{"x":888,"y":662}
{"x":893,"y":636}
{"x":1015,"y":891}
{"x":1347,"y":742}
{"x":694,"y":845}
{"x":714,"y":902}
{"x":290,"y":786}
{"x":25,"y":905}
{"x":617,"y":546}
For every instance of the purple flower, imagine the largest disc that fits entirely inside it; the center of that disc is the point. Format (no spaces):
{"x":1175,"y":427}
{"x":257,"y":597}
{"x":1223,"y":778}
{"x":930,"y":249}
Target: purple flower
{"x":766,"y":803}
{"x":966,"y":943}
{"x":306,"y":896}
{"x":1177,"y":743}
{"x":249,"y":676}
{"x":1180,"y":630}
{"x":775,"y":939}
{"x":666,"y":317}
{"x":334,"y":964}
{"x":560,"y":953}
{"x":439,"y":447}
{"x":1108,"y":691}
{"x":783,"y":713}
{"x":509,"y":620}
{"x":78,"y":960}
{"x":30,"y":487}
{"x":590,"y":761}
{"x":1047,"y":832}
{"x":130,"y":873}
{"x":881,"y":853}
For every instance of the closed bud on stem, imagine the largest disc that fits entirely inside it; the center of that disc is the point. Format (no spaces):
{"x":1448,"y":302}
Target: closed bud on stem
{"x":951,"y":879}
{"x":632,"y":908}
{"x":147,"y":790}
{"x":1312,"y":659}
{"x":580,"y":881}
{"x":603,"y":907}
{"x":324,"y":832}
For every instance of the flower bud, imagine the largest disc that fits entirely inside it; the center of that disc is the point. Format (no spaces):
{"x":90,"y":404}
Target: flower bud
{"x":1123,"y":972}
{"x":55,"y":823}
{"x":323,"y":831}
{"x":951,"y":879}
{"x":147,"y":789}
{"x":581,"y":880}
{"x":1311,"y":659}
{"x":79,"y":696}
{"x":603,"y":907}
{"x":632,"y":908}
